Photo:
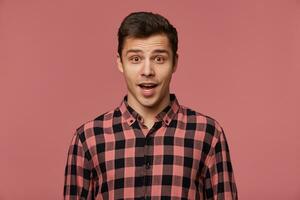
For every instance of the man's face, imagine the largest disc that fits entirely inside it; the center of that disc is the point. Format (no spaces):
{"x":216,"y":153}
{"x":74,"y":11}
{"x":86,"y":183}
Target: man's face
{"x":147,"y":66}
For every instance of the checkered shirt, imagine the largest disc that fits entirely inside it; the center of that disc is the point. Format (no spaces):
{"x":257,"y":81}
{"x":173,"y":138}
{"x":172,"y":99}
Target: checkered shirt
{"x":184,"y":155}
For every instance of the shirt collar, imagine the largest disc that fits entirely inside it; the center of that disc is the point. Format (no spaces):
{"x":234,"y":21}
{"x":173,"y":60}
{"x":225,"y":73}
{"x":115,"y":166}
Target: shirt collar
{"x":166,"y":115}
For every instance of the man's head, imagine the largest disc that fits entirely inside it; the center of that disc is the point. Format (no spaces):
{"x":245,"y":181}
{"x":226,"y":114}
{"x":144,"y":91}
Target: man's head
{"x":145,"y":24}
{"x":147,"y":57}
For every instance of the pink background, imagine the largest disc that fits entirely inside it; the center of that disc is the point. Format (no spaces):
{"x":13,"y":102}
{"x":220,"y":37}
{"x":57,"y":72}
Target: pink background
{"x":239,"y":62}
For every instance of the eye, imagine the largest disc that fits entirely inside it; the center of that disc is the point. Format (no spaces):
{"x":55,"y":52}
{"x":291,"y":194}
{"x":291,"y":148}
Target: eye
{"x":159,"y":59}
{"x":135,"y":59}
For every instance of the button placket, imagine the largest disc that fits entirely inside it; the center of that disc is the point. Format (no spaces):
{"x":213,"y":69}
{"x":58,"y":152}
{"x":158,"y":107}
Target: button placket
{"x":148,"y":166}
{"x":148,"y":142}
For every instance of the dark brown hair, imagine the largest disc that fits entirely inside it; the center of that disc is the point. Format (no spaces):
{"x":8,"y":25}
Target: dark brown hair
{"x":145,"y":24}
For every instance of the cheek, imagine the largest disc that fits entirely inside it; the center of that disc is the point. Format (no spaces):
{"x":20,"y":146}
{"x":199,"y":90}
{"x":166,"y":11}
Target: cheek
{"x":166,"y":75}
{"x":130,"y":78}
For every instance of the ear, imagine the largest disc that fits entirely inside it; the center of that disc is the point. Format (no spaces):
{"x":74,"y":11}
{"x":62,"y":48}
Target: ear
{"x":119,"y":63}
{"x":175,"y":63}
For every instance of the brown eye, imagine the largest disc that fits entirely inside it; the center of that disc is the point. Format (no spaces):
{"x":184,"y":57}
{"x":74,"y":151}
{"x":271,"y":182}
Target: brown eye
{"x":159,"y":59}
{"x":135,"y":59}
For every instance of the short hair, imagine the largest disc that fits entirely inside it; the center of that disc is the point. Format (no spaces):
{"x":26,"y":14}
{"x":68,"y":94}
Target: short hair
{"x":145,"y":24}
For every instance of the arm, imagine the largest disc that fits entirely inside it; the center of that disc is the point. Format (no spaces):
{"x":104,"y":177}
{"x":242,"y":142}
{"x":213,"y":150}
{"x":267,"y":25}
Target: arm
{"x":219,"y":182}
{"x":78,"y":171}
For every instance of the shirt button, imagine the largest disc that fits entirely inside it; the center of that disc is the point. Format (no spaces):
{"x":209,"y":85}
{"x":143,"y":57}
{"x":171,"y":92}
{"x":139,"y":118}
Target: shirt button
{"x":148,"y":165}
{"x":148,"y":142}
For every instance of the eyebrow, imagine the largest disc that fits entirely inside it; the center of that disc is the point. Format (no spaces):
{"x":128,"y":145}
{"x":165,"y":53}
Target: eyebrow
{"x":139,"y":51}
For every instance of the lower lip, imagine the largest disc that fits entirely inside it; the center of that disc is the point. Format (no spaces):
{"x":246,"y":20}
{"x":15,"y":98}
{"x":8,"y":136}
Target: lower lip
{"x":148,"y":92}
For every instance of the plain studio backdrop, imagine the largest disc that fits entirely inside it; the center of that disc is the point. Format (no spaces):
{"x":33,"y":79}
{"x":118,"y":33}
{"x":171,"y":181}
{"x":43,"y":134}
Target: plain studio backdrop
{"x":239,"y":62}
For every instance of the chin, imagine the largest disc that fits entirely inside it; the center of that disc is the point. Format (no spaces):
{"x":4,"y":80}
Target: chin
{"x":151,"y":102}
{"x":147,"y":103}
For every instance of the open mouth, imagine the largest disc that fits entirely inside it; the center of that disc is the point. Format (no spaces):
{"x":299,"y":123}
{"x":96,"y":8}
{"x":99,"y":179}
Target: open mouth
{"x":147,"y":86}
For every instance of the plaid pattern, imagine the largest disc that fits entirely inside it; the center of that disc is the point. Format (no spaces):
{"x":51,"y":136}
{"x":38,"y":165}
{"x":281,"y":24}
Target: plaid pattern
{"x":183,"y":156}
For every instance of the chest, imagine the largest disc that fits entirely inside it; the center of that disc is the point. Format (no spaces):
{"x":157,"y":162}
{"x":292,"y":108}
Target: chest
{"x":158,"y":151}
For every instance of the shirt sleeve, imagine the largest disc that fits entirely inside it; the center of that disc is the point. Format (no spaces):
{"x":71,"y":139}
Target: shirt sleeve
{"x":219,"y":182}
{"x":78,"y":172}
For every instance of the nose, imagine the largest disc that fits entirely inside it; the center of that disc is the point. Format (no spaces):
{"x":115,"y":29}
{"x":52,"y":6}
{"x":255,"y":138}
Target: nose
{"x":147,"y":68}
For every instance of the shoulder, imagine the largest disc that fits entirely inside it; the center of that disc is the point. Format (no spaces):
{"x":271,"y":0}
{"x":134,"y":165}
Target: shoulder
{"x":203,"y":121}
{"x":209,"y":129}
{"x":91,"y":128}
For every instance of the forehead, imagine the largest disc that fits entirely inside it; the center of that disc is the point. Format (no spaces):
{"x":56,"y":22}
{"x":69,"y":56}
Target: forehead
{"x":148,"y":44}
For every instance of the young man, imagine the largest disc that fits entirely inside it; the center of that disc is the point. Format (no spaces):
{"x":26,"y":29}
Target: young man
{"x":150,"y":146}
